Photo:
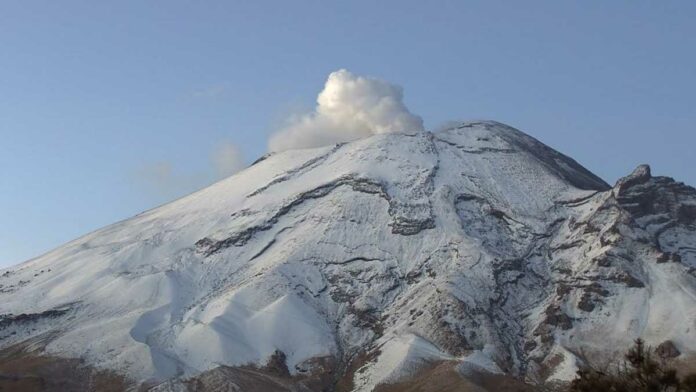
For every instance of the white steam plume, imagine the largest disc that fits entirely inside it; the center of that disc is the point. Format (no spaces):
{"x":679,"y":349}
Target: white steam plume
{"x":350,"y":107}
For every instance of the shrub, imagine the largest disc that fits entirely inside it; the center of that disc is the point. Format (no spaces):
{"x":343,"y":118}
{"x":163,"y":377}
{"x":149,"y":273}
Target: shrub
{"x":639,"y":372}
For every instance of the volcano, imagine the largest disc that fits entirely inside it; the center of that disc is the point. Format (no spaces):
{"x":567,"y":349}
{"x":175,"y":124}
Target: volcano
{"x":474,"y":257}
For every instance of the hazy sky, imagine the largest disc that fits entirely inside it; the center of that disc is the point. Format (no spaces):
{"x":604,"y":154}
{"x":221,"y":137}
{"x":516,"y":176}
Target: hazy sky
{"x":111,"y":108}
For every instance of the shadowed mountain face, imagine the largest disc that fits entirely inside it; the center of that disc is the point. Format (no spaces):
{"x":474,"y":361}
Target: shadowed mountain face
{"x":476,"y":255}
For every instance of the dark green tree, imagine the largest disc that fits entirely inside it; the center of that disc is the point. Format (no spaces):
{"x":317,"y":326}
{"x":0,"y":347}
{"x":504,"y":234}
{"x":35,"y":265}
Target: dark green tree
{"x":640,"y":372}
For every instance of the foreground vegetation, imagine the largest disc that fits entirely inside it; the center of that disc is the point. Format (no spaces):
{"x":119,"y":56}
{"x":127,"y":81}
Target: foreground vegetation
{"x":640,"y":371}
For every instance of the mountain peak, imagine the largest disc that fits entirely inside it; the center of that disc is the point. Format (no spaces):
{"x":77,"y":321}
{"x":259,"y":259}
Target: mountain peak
{"x":478,"y":248}
{"x":491,"y":135}
{"x":639,"y":175}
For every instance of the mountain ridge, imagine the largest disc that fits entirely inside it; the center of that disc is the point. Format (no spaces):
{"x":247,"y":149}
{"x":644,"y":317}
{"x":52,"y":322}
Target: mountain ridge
{"x":477,"y":246}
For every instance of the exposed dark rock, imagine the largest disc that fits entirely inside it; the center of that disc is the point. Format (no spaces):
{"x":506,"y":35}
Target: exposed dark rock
{"x":686,"y":214}
{"x":640,"y":175}
{"x":401,"y":224}
{"x":406,"y":226}
{"x":665,"y":257}
{"x":207,"y":246}
{"x":586,"y":302}
{"x":296,"y":171}
{"x":277,"y":364}
{"x":661,"y":198}
{"x":530,"y":345}
{"x":367,"y":319}
{"x":10,"y":319}
{"x":555,"y":316}
{"x":667,"y":349}
{"x":413,"y":277}
{"x":596,"y":288}
{"x":261,"y":158}
{"x":627,"y":279}
{"x":562,"y":290}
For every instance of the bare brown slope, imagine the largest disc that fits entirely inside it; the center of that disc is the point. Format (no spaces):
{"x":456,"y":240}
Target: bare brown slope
{"x":443,"y":377}
{"x":24,"y":370}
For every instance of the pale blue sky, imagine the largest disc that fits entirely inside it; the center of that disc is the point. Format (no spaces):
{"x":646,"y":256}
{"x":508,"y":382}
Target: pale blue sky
{"x":95,"y":96}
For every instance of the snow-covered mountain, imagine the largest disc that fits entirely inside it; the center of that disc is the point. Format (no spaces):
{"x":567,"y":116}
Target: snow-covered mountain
{"x":470,"y":254}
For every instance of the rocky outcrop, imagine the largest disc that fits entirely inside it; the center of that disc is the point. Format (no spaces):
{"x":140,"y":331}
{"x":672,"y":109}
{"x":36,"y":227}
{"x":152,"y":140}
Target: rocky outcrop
{"x":667,"y":350}
{"x":404,"y":222}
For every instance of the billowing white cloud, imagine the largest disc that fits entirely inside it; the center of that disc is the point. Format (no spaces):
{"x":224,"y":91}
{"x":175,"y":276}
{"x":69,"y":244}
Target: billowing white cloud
{"x":227,"y":159}
{"x":350,"y":107}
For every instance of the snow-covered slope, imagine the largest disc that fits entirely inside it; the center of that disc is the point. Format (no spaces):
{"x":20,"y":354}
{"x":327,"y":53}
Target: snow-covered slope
{"x":477,"y":245}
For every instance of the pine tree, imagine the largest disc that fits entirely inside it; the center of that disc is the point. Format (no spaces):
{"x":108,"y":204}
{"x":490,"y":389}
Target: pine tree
{"x":640,"y":372}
